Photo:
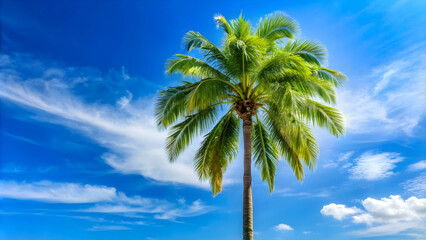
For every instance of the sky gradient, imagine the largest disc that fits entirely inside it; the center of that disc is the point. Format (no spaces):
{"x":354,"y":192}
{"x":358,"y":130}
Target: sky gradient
{"x":81,"y":157}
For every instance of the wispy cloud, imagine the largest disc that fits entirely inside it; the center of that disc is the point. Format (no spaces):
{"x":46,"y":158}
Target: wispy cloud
{"x":385,"y":216}
{"x":416,"y":186}
{"x":418,"y":166}
{"x":106,"y":199}
{"x":21,"y":138}
{"x":341,"y":161}
{"x":56,"y":192}
{"x":124,"y":125}
{"x":394,"y":103}
{"x":195,"y":209}
{"x":374,"y":166}
{"x":288,"y":192}
{"x":109,"y":228}
{"x":368,"y":166}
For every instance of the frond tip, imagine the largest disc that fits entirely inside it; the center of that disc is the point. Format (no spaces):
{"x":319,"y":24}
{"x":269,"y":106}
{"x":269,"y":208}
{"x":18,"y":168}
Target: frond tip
{"x":221,"y":22}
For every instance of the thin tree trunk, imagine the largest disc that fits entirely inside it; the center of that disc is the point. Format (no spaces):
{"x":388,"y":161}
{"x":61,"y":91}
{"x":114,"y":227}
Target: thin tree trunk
{"x":247,"y":197}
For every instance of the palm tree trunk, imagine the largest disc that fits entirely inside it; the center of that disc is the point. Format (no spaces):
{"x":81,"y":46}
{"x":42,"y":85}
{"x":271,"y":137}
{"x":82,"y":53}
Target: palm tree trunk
{"x":247,"y":195}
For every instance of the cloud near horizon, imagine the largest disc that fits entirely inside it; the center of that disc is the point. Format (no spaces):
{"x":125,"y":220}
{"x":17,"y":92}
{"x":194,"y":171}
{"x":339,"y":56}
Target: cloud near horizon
{"x":385,"y":216}
{"x":107,"y":200}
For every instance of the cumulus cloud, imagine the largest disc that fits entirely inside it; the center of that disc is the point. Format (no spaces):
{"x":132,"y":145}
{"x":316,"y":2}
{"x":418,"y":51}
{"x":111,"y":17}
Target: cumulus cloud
{"x":385,"y":216}
{"x":338,"y":211}
{"x":105,"y":199}
{"x":283,"y":227}
{"x":370,"y":166}
{"x":124,"y":125}
{"x":391,"y":210}
{"x":394,"y":103}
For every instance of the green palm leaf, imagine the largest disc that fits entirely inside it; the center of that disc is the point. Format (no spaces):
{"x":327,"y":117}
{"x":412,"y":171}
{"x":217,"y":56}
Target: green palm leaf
{"x":323,"y":116}
{"x":265,"y":153}
{"x":311,"y":51}
{"x":194,"y":67}
{"x":170,"y":104}
{"x":218,"y":148}
{"x":182,"y":133}
{"x":276,"y":26}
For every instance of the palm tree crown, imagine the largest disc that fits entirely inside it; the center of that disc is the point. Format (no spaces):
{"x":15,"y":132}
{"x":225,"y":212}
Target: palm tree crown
{"x":261,"y":72}
{"x":276,"y":84}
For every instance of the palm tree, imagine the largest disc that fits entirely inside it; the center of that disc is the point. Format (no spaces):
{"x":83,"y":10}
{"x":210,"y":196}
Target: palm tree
{"x":275,"y":85}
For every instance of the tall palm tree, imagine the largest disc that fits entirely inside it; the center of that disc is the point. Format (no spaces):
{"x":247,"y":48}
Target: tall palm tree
{"x":276,"y":85}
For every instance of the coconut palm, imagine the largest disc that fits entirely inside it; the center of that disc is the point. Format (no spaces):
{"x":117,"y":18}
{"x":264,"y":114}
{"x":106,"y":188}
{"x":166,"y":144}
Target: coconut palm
{"x":275,"y":85}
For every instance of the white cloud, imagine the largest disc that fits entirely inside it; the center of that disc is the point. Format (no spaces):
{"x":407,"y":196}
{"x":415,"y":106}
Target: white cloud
{"x":195,"y":209}
{"x":418,"y":166}
{"x":288,"y":192}
{"x":127,"y":130}
{"x":389,"y":216}
{"x":56,"y":192}
{"x":341,"y":161}
{"x":391,"y":210}
{"x":283,"y":227}
{"x":107,"y":199}
{"x":396,"y":101}
{"x":125,"y":100}
{"x":161,"y":209}
{"x":370,"y":166}
{"x":345,"y":156}
{"x":109,"y":228}
{"x":338,"y":211}
{"x":416,"y":186}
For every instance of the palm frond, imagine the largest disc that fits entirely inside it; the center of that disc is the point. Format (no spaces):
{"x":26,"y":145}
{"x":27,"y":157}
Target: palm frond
{"x":312,"y":87}
{"x":311,"y":51}
{"x":241,"y":28}
{"x":171,"y":104}
{"x":194,"y":67}
{"x":223,"y":23}
{"x":181,"y":134}
{"x":265,"y":153}
{"x":212,"y":54}
{"x":207,"y":92}
{"x":295,"y":139}
{"x":328,"y":75}
{"x":218,"y":148}
{"x":323,"y":116}
{"x":280,"y":65}
{"x":243,"y":55}
{"x":276,"y":26}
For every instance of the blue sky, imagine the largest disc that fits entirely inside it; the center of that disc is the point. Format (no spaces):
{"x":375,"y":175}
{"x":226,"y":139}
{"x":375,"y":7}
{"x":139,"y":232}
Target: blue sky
{"x":80,"y":157}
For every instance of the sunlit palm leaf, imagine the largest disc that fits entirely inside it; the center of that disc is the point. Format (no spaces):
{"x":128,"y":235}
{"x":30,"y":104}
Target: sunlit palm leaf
{"x":276,"y":26}
{"x":265,"y":153}
{"x":218,"y":148}
{"x":181,"y":134}
{"x":310,"y":51}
